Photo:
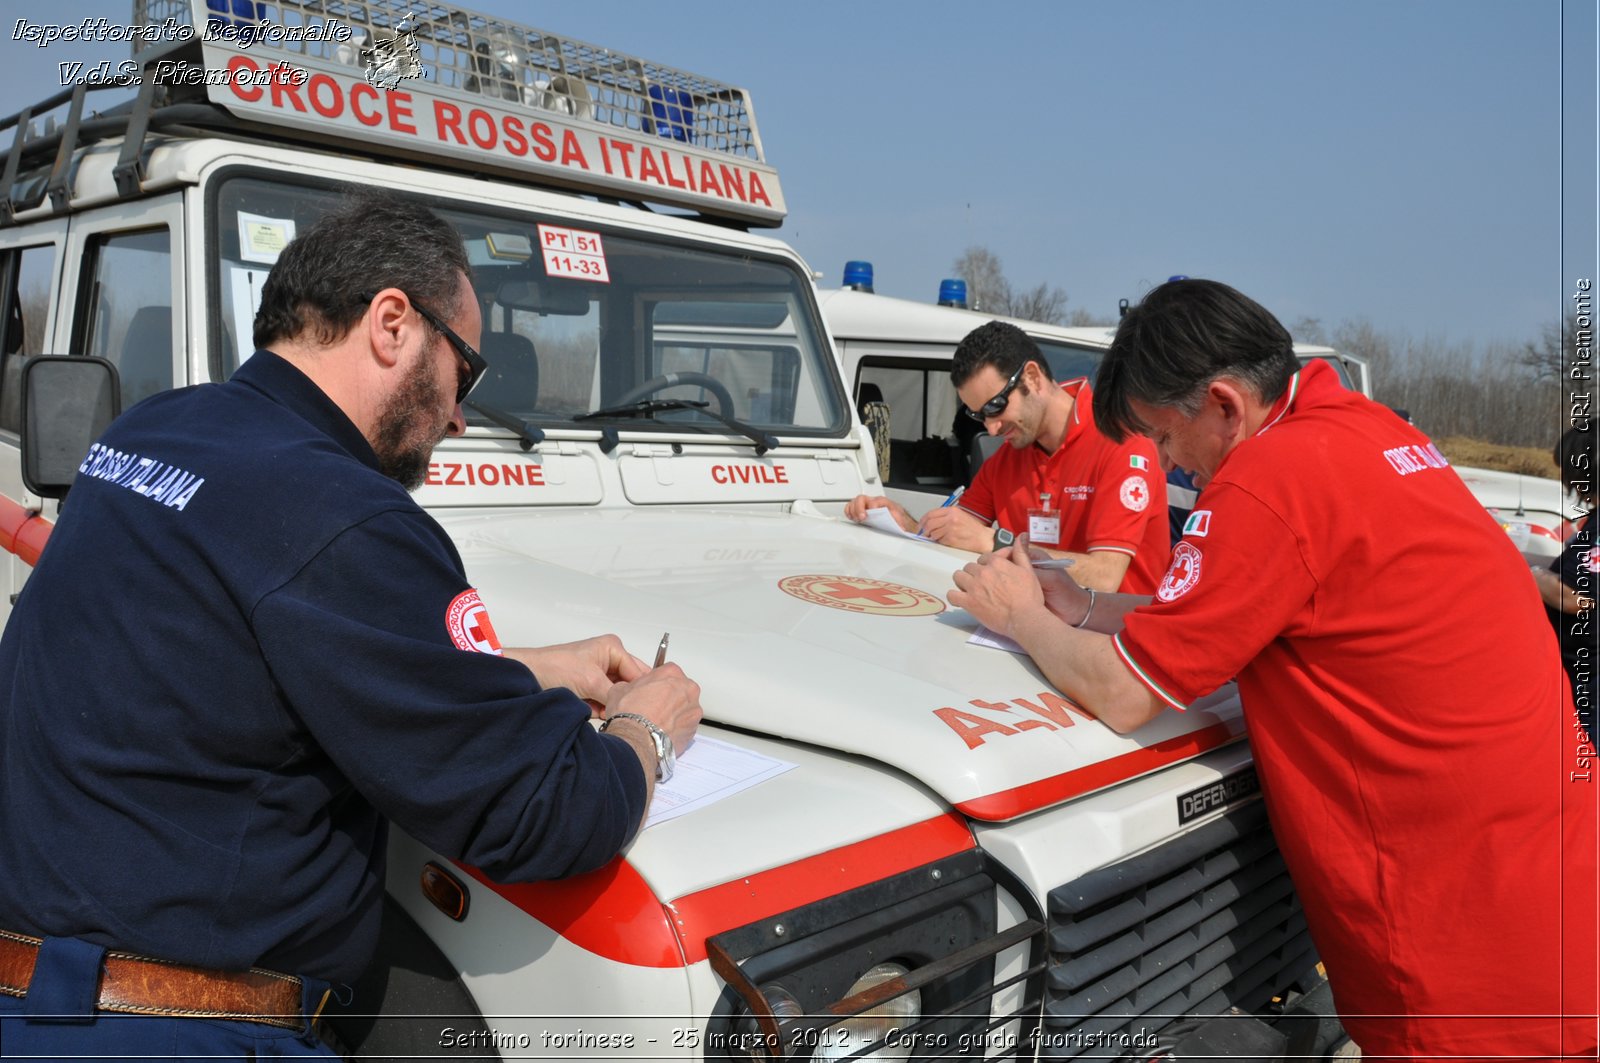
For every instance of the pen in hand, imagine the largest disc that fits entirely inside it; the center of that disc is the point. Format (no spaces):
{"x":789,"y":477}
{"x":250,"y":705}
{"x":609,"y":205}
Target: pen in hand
{"x":955,"y":496}
{"x":661,"y":650}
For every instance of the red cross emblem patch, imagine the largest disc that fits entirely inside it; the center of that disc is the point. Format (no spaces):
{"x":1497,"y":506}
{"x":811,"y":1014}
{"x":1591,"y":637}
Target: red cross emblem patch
{"x":1183,"y":574}
{"x":1135,"y":493}
{"x":467,"y":621}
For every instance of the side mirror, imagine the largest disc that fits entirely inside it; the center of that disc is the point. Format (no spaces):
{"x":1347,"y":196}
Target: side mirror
{"x":67,"y":403}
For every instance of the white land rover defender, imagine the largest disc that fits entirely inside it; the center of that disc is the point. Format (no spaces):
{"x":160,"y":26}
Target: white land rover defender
{"x":942,"y":858}
{"x":899,"y":351}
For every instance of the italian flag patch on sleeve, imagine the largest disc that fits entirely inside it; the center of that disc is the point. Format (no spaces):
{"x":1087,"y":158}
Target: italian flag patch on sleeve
{"x":1138,"y":461}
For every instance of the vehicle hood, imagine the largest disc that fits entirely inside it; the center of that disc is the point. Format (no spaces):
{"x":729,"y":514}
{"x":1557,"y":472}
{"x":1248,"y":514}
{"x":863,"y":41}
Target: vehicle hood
{"x":1517,"y":496}
{"x":1536,"y":512}
{"x":766,"y":614}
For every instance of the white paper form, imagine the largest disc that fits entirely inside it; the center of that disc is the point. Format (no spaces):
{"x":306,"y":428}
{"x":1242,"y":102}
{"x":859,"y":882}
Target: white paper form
{"x":880,"y":519}
{"x":707,"y":772}
{"x":994,"y":640}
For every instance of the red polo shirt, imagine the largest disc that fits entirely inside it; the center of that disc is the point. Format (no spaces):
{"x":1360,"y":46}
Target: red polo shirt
{"x":1410,"y":721}
{"x":1111,"y":496}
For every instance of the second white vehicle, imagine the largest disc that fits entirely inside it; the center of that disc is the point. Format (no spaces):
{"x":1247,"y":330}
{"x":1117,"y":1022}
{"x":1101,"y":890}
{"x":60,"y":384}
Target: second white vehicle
{"x":899,"y":351}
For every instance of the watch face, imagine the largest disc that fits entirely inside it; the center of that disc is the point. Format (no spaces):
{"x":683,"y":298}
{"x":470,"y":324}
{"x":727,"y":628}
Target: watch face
{"x":1003,"y":538}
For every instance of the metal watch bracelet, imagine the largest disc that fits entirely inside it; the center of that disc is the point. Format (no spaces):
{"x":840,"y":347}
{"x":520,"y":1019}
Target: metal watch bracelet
{"x":666,"y":759}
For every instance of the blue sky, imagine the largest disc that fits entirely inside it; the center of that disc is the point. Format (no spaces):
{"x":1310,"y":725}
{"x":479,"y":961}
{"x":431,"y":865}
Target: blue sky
{"x":1393,"y":160}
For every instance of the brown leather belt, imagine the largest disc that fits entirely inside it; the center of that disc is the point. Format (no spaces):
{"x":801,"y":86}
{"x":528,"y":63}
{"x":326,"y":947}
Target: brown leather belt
{"x":139,"y":985}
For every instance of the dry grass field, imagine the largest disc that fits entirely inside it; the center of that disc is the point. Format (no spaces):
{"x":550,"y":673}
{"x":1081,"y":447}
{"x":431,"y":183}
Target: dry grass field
{"x":1530,"y":461}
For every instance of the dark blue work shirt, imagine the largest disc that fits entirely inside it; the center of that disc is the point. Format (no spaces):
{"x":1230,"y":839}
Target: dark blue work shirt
{"x":1181,"y":496}
{"x":232,"y":666}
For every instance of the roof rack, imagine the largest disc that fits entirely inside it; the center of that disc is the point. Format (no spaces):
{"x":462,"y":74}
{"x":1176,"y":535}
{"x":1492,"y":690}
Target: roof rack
{"x":473,"y":93}
{"x":23,"y":190}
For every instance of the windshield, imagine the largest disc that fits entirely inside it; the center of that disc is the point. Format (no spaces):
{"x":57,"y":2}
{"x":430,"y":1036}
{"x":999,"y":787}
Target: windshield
{"x":585,"y":319}
{"x":1337,"y":366}
{"x":1068,"y":362}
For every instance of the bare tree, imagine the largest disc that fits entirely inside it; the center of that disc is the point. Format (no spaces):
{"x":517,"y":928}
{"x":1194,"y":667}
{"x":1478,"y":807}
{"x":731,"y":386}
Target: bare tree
{"x":1082,"y":318}
{"x":1457,"y":388}
{"x":1358,"y":337}
{"x":1309,"y":330}
{"x":1546,"y":357}
{"x":35,"y":308}
{"x":989,"y":292}
{"x":1042,"y":303}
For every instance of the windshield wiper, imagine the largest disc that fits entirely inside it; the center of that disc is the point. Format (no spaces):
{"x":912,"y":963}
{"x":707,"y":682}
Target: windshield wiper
{"x":527,"y":435}
{"x":764,"y":441}
{"x":644,"y":408}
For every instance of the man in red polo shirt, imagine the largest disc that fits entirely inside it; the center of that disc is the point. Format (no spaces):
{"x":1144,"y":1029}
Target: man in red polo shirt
{"x":1058,"y":480}
{"x":1404,"y":696}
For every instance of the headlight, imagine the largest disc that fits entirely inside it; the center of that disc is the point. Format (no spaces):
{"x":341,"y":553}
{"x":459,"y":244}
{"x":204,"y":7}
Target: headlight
{"x":854,"y":1034}
{"x":930,"y":930}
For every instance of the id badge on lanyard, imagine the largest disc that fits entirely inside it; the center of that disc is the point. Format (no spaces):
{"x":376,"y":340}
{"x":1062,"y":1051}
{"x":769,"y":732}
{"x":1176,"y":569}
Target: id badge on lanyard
{"x":1044,"y":523}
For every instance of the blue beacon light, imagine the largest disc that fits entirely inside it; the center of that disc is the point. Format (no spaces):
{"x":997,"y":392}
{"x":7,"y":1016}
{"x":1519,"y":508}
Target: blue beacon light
{"x":953,"y":292}
{"x":858,"y":275}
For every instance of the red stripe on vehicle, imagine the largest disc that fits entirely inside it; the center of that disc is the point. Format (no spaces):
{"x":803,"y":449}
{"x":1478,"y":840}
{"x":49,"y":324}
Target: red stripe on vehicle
{"x":613,"y":912}
{"x":22,"y":531}
{"x":1009,"y":804}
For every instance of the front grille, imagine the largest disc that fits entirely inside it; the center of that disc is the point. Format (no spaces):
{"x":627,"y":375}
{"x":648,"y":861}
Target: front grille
{"x":938,"y":921}
{"x":1204,"y":923}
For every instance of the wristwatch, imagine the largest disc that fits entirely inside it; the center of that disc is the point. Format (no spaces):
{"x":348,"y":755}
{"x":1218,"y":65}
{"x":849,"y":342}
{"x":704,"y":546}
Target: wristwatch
{"x":666,"y":760}
{"x":1003,"y":538}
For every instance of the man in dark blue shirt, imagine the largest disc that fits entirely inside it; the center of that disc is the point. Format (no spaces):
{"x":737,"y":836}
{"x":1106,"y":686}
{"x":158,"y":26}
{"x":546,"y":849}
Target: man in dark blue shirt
{"x":246,"y":649}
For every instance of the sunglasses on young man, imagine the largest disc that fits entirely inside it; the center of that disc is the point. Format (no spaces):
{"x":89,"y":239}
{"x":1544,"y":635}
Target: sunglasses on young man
{"x":997,"y":405}
{"x":476,"y":366}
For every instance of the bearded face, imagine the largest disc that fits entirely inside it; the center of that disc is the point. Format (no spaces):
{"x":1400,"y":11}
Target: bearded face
{"x":412,"y":422}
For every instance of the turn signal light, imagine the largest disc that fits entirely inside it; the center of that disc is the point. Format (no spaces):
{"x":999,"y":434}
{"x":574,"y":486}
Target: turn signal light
{"x":444,"y":891}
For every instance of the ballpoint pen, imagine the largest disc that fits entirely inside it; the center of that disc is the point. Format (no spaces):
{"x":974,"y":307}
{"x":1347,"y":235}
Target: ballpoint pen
{"x":661,"y":650}
{"x":955,"y":496}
